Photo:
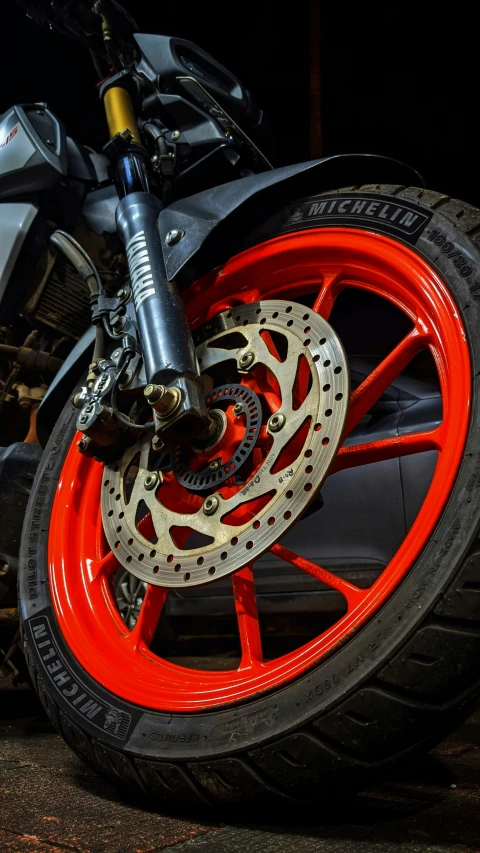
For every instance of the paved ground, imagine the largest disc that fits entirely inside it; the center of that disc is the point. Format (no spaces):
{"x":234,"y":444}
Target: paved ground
{"x":51,"y":803}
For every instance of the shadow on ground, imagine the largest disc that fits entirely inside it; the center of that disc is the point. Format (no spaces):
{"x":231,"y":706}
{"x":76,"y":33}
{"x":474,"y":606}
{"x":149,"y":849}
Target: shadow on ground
{"x":50,"y":801}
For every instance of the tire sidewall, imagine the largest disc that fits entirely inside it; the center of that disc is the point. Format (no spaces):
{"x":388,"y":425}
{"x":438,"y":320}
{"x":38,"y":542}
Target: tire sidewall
{"x":145,"y":733}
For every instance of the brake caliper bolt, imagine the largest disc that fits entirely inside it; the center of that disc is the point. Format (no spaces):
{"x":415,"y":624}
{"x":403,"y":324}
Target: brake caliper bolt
{"x":151,"y":481}
{"x":237,"y":409}
{"x":215,"y":465}
{"x":276,"y":422}
{"x":173,"y":237}
{"x":211,"y":505}
{"x":246,"y":360}
{"x":83,"y":444}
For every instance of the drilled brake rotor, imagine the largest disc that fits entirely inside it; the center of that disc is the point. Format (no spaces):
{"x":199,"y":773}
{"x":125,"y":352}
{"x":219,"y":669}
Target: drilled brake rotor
{"x":286,"y":367}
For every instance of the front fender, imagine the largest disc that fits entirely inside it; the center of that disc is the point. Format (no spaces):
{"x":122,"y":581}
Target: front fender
{"x":215,"y":223}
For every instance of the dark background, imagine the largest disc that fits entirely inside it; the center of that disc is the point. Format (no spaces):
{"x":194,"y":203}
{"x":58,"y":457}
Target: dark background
{"x":390,"y":82}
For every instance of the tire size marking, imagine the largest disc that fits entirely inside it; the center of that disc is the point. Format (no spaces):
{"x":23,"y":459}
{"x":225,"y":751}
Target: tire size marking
{"x":321,"y":688}
{"x":247,"y":724}
{"x":163,"y":737}
{"x":353,"y":665}
{"x":455,"y":530}
{"x":474,"y":479}
{"x":449,"y":250}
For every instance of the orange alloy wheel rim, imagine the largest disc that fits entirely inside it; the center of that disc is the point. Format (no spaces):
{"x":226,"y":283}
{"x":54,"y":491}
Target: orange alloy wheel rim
{"x":322,"y":262}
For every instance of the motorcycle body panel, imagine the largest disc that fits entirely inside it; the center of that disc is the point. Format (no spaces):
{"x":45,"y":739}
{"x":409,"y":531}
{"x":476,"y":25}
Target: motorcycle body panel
{"x":180,"y":68}
{"x":99,"y":209}
{"x":33,"y":151}
{"x":35,"y":155}
{"x":16,"y":219}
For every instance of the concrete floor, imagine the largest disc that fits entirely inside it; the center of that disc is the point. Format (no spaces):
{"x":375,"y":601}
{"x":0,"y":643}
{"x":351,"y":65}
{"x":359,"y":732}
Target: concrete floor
{"x":50,"y":802}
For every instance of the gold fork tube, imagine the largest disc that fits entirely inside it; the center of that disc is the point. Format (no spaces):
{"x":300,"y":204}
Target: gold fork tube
{"x":119,"y":112}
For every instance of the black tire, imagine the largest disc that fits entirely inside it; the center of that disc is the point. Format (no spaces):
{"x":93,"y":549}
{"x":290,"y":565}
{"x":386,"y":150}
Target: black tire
{"x":374,"y":700}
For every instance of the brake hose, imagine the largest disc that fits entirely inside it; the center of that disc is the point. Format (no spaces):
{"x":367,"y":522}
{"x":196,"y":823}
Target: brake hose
{"x":88,"y":272}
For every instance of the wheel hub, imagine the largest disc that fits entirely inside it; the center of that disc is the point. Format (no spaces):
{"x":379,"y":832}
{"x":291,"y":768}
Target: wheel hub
{"x":279,"y":380}
{"x":244,"y":405}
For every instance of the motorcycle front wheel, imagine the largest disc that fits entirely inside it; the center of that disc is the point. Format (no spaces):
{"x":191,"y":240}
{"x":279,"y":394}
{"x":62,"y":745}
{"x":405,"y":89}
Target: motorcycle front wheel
{"x":382,"y":276}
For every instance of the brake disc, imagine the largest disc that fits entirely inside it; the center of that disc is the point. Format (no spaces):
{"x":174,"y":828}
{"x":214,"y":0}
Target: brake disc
{"x":272,"y":348}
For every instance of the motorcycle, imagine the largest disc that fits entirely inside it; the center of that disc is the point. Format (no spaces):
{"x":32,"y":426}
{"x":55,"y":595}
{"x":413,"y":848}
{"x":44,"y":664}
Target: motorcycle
{"x":242,"y":403}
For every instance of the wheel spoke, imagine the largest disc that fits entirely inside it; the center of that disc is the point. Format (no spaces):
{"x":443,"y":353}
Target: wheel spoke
{"x":149,"y":615}
{"x":104,"y":567}
{"x":352,"y":593}
{"x":377,"y":382}
{"x":247,"y":616}
{"x":328,"y":293}
{"x":388,"y":448}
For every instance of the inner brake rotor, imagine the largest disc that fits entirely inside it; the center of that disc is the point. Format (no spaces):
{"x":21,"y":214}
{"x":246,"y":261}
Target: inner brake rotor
{"x":278,"y":399}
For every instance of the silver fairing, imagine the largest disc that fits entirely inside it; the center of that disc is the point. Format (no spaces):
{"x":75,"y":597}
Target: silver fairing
{"x":32,"y":150}
{"x":15,"y":221}
{"x":16,"y":149}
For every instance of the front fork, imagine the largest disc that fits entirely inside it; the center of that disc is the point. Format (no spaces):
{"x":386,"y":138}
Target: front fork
{"x":174,"y":387}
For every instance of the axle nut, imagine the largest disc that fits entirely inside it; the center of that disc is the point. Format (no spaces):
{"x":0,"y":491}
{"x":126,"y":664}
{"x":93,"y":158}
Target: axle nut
{"x":164,"y":400}
{"x":276,"y":422}
{"x":211,"y":505}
